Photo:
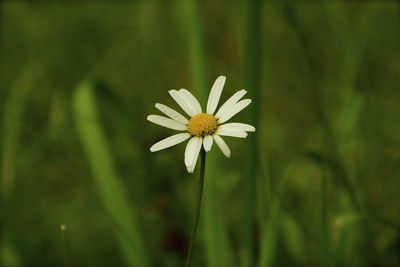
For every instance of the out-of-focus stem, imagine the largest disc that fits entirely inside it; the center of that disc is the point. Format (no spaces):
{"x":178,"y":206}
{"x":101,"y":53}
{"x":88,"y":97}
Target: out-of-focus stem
{"x":253,"y":81}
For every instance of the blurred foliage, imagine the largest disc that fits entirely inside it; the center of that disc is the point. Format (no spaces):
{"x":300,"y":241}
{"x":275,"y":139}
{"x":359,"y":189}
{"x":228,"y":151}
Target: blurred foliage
{"x":78,"y":78}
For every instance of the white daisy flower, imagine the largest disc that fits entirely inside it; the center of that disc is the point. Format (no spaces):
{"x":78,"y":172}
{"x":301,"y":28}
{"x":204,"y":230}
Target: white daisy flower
{"x":202,"y":128}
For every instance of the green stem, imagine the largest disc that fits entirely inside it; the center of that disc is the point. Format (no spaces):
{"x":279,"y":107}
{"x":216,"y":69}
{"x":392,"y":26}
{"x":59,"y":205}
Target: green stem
{"x":324,"y":219}
{"x":62,"y":230}
{"x":253,"y":85}
{"x":198,"y":206}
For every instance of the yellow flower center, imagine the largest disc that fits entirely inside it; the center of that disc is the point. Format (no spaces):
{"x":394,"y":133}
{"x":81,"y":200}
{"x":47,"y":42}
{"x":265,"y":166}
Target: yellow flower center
{"x":202,"y":124}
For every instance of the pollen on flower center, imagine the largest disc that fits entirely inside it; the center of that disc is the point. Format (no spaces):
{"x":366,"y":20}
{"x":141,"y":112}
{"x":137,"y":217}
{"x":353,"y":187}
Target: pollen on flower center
{"x":202,"y":124}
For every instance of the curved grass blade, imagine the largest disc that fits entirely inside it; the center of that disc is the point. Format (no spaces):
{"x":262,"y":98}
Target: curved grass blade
{"x":13,"y":111}
{"x":106,"y":180}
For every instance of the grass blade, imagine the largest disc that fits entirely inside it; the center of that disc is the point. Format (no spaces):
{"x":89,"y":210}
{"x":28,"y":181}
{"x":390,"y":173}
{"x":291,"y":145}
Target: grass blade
{"x":253,"y":85}
{"x":192,"y":29}
{"x":106,"y":180}
{"x":13,"y":116}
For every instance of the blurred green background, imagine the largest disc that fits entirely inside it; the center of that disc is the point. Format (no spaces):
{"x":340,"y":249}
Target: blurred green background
{"x":318,"y":184}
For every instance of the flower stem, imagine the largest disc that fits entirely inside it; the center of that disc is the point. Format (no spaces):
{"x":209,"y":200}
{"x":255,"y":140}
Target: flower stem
{"x":62,"y":230}
{"x":198,"y":206}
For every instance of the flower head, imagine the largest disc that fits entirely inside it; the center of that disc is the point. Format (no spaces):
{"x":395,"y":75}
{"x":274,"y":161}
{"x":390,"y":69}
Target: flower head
{"x":202,"y":128}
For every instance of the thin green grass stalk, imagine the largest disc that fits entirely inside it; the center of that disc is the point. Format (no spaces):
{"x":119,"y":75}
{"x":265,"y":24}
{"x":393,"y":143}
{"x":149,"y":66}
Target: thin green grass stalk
{"x":293,"y":19}
{"x":253,"y":85}
{"x":331,"y":158}
{"x":353,"y":53}
{"x":217,"y":249}
{"x":269,"y":237}
{"x":106,"y":180}
{"x":198,"y":207}
{"x":325,"y":219}
{"x":63,"y":228}
{"x":13,"y":115}
{"x":13,"y":112}
{"x":272,"y":216}
{"x":215,"y":231}
{"x":331,"y":149}
{"x":189,"y":12}
{"x":345,"y":126}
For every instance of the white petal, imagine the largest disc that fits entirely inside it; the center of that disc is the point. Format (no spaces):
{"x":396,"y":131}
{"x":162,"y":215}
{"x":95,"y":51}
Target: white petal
{"x":169,"y":141}
{"x":168,"y":123}
{"x":222,"y":145}
{"x":191,"y":100}
{"x":196,"y":155}
{"x":171,"y":113}
{"x":215,"y":94}
{"x":230,"y":102}
{"x":240,"y":134}
{"x":207,"y":143}
{"x":190,"y":147}
{"x":181,"y":102}
{"x":236,"y":126}
{"x":192,"y":152}
{"x":234,"y":110}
